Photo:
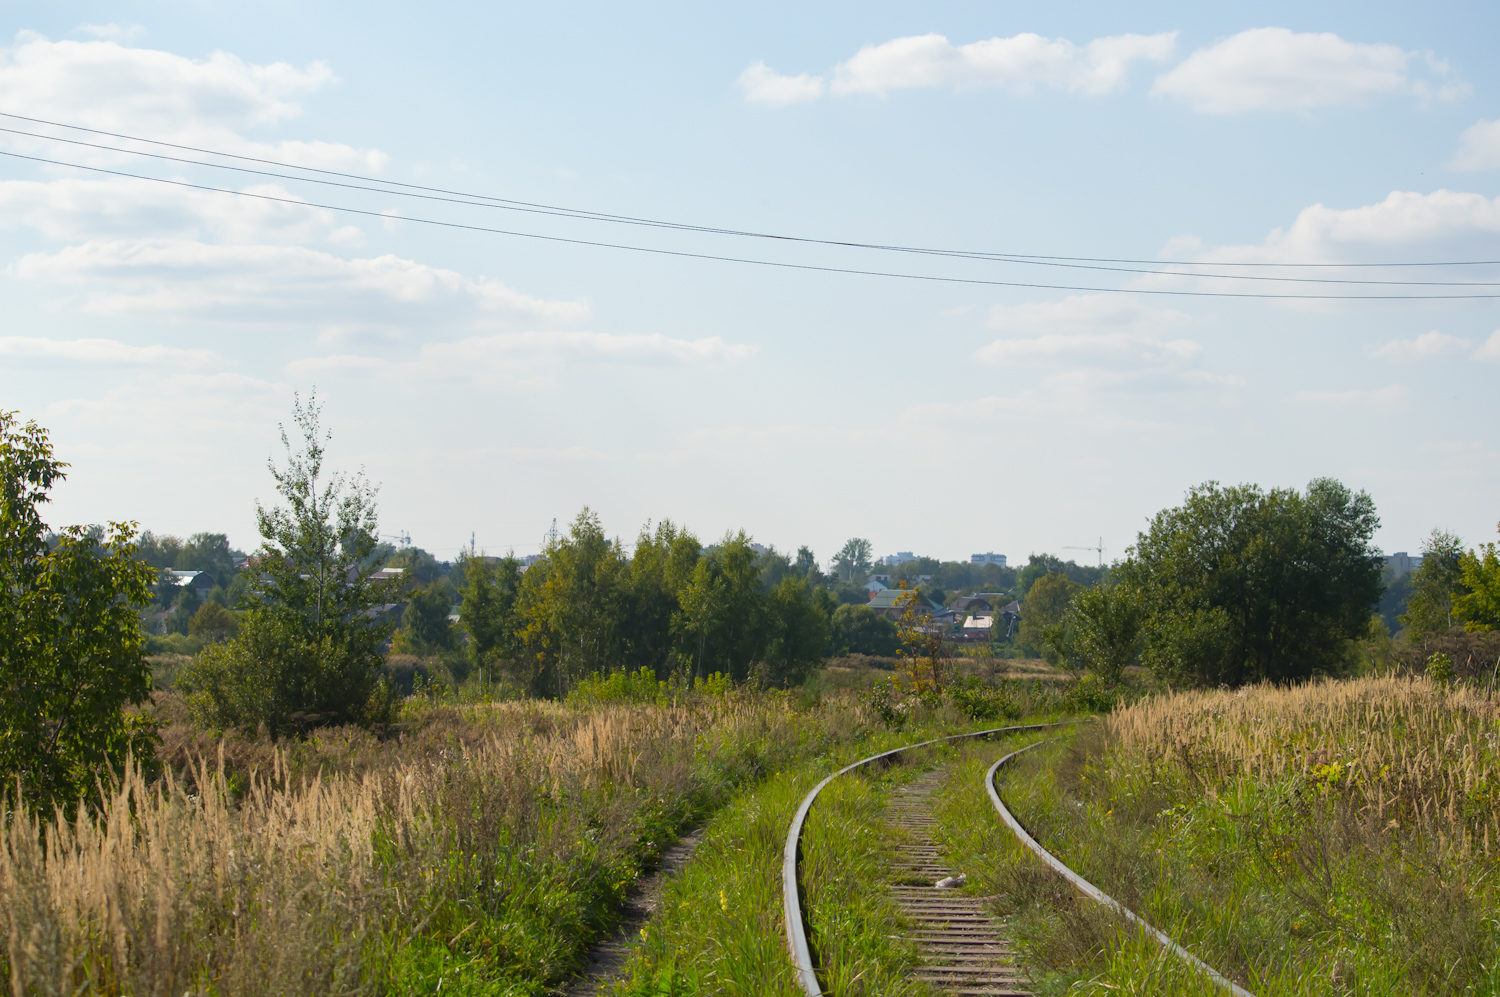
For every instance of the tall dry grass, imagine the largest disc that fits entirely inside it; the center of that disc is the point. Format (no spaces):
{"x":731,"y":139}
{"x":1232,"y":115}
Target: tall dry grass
{"x":339,"y":883}
{"x":1402,"y":749}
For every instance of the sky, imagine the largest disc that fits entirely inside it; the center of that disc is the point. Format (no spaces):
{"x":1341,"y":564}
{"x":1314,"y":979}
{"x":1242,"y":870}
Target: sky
{"x":491,"y":382}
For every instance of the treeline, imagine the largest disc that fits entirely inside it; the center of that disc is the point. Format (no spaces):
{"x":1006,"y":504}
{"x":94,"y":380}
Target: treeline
{"x":672,"y":606}
{"x":1241,"y":584}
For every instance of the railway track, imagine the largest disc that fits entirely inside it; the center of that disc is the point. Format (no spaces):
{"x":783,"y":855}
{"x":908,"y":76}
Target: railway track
{"x":964,"y":950}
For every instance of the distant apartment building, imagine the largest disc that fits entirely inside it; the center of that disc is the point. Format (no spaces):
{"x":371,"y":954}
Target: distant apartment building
{"x":989,"y":558}
{"x":1402,"y":563}
{"x":898,"y":559}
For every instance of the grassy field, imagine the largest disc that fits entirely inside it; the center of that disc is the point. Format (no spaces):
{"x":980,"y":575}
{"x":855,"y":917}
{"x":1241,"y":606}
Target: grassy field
{"x":479,"y":852}
{"x":1335,"y":838}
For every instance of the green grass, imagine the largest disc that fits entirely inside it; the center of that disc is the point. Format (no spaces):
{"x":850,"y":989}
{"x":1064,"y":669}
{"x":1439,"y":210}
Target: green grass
{"x":1275,"y":886}
{"x":719,"y":929}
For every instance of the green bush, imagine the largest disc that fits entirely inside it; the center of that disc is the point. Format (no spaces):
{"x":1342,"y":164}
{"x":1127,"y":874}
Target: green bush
{"x":978,"y":701}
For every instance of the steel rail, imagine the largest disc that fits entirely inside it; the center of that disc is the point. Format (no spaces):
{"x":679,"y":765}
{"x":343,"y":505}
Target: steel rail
{"x":1093,"y":892}
{"x":796,"y":927}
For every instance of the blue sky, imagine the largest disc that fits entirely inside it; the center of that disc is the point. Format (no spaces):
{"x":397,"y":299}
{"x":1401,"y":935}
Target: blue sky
{"x":491,"y":383}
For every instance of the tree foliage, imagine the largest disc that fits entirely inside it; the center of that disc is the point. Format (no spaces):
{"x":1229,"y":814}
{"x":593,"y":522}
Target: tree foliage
{"x":424,"y":624}
{"x":1102,"y":630}
{"x":71,"y":653}
{"x":861,"y":630}
{"x":1042,"y":615}
{"x":1479,"y":606}
{"x":1241,"y":585}
{"x":853,"y":558}
{"x":308,"y":652}
{"x":671,"y":607}
{"x":925,"y":654}
{"x":1437,"y":581}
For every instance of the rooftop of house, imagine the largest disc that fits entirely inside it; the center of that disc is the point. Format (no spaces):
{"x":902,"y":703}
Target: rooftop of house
{"x":889,"y":598}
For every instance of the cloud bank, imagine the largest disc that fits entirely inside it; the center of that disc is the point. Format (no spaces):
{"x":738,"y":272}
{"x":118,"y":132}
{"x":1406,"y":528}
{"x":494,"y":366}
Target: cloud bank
{"x":204,"y":102}
{"x":1017,"y":64}
{"x":1274,"y":69}
{"x":1262,"y":69}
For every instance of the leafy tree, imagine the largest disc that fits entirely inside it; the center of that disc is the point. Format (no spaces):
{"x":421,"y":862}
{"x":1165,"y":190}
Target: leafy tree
{"x":861,"y":630}
{"x":797,"y":632}
{"x":418,"y":566}
{"x":925,"y":654}
{"x":425,"y":623}
{"x":207,"y":552}
{"x":159,"y":550}
{"x":1104,"y":628}
{"x":853,"y":558}
{"x":1435,"y":584}
{"x":573,"y":606}
{"x":309,"y":649}
{"x":1042,"y":612}
{"x":71,"y":652}
{"x":1479,"y":607}
{"x":774,"y":566}
{"x":720,"y":625}
{"x":488,"y":611}
{"x":1242,"y":585}
{"x":660,"y":571}
{"x":1040,"y":565}
{"x":183,"y":608}
{"x":213,"y":623}
{"x":806,"y":567}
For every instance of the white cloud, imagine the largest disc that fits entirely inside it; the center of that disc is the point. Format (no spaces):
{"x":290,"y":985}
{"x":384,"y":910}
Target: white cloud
{"x":763,"y":85}
{"x":71,"y":208}
{"x":1092,"y":327}
{"x":1406,"y":226}
{"x":1274,"y":69}
{"x":532,"y":359}
{"x":1390,"y":396}
{"x":1432,"y":345}
{"x":101,"y":351}
{"x":1479,"y":147}
{"x":1491,"y":348}
{"x":203,"y":102}
{"x":1018,"y":64}
{"x":282,"y":284}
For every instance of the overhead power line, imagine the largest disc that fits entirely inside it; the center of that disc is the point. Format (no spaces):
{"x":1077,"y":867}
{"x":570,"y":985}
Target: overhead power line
{"x":483,"y":200}
{"x":563,"y":213}
{"x":777,"y":264}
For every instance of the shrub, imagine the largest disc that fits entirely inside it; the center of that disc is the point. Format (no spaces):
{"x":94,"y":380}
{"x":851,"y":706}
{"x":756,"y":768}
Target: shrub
{"x":978,"y":701}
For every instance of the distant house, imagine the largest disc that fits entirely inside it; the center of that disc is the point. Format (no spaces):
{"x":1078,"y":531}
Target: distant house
{"x":971,"y":603}
{"x":388,"y":575}
{"x":898,"y":559}
{"x":882,"y":579}
{"x":978,"y":627}
{"x":890,"y":603}
{"x":987,"y":558}
{"x":872,"y":586}
{"x":200,"y":580}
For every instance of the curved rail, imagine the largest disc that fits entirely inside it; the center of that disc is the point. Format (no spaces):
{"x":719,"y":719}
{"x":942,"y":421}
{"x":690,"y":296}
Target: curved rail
{"x":796,"y":927}
{"x":1093,"y":892}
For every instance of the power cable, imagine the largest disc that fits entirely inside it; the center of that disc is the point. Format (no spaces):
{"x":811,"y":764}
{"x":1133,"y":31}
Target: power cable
{"x":682,"y":254}
{"x":540,"y":208}
{"x":567,"y":214}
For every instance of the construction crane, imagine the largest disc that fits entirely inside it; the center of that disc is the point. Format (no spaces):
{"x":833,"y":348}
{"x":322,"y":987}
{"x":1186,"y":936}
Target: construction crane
{"x":1100,"y":548}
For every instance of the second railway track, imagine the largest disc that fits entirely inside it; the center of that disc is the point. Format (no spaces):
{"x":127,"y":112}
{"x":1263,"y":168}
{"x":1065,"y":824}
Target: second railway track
{"x":963,"y":948}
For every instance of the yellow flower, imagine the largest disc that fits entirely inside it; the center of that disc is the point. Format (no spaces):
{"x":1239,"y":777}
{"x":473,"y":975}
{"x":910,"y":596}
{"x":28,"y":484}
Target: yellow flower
{"x":723,"y":901}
